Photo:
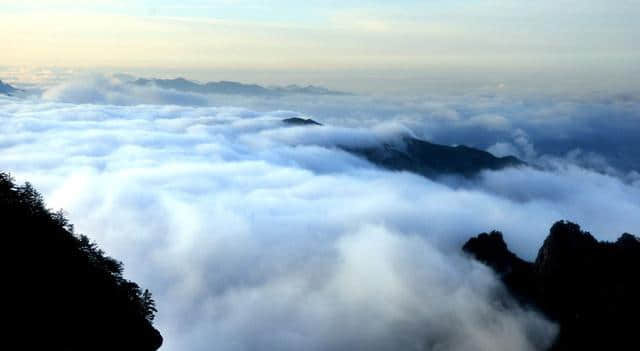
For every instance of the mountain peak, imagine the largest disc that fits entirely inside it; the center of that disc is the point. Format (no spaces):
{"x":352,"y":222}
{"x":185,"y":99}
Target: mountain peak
{"x":7,"y":89}
{"x":422,"y":157}
{"x":432,"y":160}
{"x":627,"y":240}
{"x":491,"y":249}
{"x":486,"y":244}
{"x":297,"y":121}
{"x":589,"y":288}
{"x":566,"y":243}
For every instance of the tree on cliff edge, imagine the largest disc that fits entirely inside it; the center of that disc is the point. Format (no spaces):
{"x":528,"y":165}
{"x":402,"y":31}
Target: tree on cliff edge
{"x":64,"y":293}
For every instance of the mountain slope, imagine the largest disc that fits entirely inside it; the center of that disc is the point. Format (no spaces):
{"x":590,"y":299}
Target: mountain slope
{"x":422,"y":157}
{"x":433,"y":160}
{"x":62,"y":292}
{"x":7,"y":89}
{"x":590,"y":288}
{"x":297,"y":121}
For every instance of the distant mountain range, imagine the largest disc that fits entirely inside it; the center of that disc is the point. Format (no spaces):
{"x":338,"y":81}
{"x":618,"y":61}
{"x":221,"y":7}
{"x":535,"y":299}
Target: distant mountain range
{"x":7,"y":89}
{"x":422,"y":157}
{"x":233,"y":88}
{"x":590,"y":288}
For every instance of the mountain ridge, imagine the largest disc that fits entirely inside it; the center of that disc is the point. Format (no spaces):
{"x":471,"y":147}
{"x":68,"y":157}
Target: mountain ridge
{"x":233,"y":88}
{"x":7,"y":89}
{"x":423,"y":157}
{"x":589,"y":287}
{"x":432,"y":160}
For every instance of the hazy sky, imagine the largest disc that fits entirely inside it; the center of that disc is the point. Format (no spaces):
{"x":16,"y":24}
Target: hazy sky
{"x":405,"y":38}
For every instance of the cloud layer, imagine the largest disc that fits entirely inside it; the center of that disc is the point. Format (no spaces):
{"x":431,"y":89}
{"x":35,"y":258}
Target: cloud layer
{"x":253,"y":235}
{"x":595,"y":131}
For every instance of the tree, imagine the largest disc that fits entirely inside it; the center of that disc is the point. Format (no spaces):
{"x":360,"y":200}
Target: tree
{"x":64,"y":292}
{"x":149,"y":305}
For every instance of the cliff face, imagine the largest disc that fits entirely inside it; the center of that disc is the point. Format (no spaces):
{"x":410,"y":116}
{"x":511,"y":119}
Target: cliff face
{"x":63,"y":292}
{"x":590,"y":288}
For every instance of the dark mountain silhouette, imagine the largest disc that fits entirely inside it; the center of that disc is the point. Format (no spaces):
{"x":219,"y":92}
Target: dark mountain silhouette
{"x":309,"y":90}
{"x":7,"y":89}
{"x":233,"y":88}
{"x":422,"y":157}
{"x":433,"y":160}
{"x":590,"y":288}
{"x":63,"y":292}
{"x":296,"y":121}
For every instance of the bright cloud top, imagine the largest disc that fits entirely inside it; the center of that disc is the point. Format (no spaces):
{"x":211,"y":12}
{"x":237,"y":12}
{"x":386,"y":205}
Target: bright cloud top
{"x":594,"y":130}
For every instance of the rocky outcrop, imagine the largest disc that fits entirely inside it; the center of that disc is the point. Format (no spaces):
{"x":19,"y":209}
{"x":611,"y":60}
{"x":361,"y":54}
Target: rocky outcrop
{"x":590,"y":288}
{"x":515,"y":272}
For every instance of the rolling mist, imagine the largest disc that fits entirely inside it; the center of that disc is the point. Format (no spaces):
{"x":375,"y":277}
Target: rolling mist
{"x":257,"y":235}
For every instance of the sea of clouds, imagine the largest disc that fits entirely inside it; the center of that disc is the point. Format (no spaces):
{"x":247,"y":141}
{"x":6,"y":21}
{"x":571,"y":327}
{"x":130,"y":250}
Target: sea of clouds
{"x":596,"y":130}
{"x":255,"y":235}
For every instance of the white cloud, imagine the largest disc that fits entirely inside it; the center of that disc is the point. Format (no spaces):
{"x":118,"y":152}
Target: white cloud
{"x":530,"y":126}
{"x":254,"y":235}
{"x":99,"y":89}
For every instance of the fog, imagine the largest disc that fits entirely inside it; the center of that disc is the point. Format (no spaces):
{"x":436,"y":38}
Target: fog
{"x":255,"y":235}
{"x":596,"y":130}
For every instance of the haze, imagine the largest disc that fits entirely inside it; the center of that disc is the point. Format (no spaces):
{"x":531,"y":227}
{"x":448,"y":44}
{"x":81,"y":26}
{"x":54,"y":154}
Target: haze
{"x":355,"y":45}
